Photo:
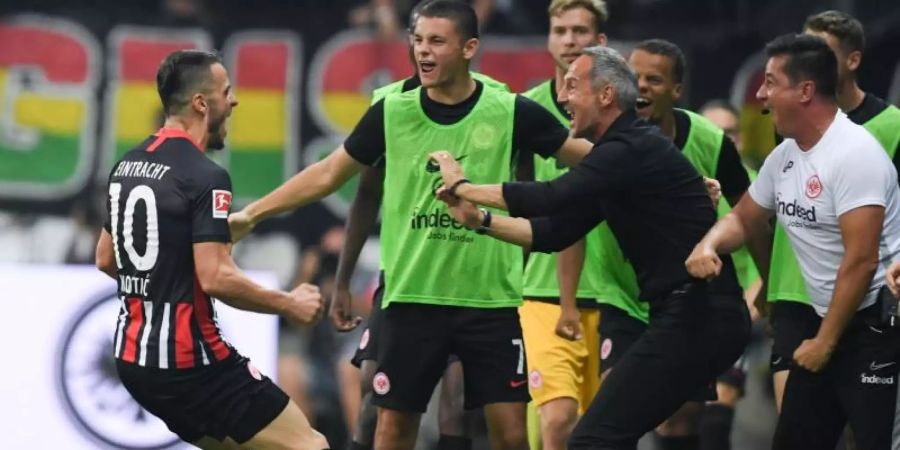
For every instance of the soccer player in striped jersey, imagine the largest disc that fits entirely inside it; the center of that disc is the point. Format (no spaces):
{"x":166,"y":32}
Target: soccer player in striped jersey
{"x":168,"y":245}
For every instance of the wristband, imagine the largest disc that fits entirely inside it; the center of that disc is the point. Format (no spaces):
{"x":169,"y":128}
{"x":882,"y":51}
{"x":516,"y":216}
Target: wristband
{"x":459,"y":182}
{"x":485,"y":223}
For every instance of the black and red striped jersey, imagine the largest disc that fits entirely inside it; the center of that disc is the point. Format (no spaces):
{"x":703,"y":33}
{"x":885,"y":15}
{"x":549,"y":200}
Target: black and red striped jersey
{"x":164,"y":196}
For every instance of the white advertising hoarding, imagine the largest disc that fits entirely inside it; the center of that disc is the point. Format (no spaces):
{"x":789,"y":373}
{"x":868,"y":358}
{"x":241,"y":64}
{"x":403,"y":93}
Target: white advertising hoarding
{"x":58,"y":379}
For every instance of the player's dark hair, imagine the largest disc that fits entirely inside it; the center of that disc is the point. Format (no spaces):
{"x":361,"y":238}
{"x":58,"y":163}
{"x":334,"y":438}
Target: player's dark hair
{"x":808,"y":59}
{"x":458,"y":12}
{"x":669,"y":50}
{"x":181,"y":74}
{"x":848,"y":31}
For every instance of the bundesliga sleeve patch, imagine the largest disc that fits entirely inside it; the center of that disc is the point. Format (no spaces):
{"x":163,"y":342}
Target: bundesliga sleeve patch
{"x":221,"y":203}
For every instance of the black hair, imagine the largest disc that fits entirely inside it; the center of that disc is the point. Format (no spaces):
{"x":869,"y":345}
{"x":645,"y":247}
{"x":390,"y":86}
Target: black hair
{"x":458,"y":12}
{"x":808,"y":59}
{"x":669,"y":50}
{"x":181,"y":74}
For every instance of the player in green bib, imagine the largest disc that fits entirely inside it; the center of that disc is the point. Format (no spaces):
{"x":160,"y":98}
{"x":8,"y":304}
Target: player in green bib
{"x":448,"y":289}
{"x":793,"y":318}
{"x":563,"y":370}
{"x":659,"y":66}
{"x":361,"y":220}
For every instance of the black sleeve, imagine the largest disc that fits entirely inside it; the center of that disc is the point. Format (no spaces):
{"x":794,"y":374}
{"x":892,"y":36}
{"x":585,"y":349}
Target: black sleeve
{"x":730,"y":171}
{"x":525,"y":166}
{"x":366,"y":143}
{"x":606,"y":168}
{"x":557,"y":232}
{"x":211,"y":204}
{"x":536,"y":130}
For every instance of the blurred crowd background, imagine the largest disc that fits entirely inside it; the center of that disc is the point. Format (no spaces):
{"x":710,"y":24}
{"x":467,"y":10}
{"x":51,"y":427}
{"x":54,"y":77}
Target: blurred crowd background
{"x":77,"y":89}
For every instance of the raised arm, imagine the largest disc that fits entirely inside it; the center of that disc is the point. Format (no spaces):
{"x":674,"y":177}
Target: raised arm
{"x":606,"y":169}
{"x":747,"y":223}
{"x":311,"y":184}
{"x":546,"y":234}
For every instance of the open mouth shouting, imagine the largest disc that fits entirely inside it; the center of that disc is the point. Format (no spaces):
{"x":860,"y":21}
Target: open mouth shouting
{"x":643,"y":103}
{"x":427,"y":67}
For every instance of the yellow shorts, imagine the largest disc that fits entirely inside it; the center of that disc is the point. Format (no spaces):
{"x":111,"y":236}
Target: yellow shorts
{"x":558,"y":367}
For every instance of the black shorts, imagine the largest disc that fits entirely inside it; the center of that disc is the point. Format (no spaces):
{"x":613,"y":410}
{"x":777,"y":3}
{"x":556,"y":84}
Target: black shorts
{"x":618,"y":331}
{"x":858,"y":387}
{"x":417,"y":340}
{"x":368,"y":342}
{"x":229,"y":399}
{"x":792,"y":323}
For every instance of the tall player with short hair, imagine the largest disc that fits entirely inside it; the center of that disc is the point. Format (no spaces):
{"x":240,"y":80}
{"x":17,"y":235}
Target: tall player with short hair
{"x":453,"y":421}
{"x":168,"y":245}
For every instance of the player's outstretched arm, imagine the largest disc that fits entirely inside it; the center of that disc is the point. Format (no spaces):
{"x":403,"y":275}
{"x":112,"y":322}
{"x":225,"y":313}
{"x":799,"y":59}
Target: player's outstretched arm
{"x":360,"y":222}
{"x":311,"y":184}
{"x":747,"y":223}
{"x":221,"y":278}
{"x":104,"y":257}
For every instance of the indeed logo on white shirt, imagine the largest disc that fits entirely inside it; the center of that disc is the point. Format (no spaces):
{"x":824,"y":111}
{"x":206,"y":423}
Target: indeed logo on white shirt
{"x":794,"y":209}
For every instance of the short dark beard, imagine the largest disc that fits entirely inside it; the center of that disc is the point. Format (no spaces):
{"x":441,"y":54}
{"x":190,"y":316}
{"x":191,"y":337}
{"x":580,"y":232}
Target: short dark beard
{"x":215,"y":140}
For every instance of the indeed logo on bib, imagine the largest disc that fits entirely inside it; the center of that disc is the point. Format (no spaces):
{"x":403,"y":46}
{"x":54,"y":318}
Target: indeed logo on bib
{"x":440,"y":226}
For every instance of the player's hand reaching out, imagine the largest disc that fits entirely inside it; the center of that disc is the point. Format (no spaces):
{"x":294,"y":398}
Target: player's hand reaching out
{"x":704,"y":262}
{"x":307,"y":307}
{"x":341,"y":312}
{"x":240,"y":225}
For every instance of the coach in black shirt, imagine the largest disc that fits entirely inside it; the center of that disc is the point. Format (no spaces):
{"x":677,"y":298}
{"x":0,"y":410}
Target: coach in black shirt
{"x":658,"y":208}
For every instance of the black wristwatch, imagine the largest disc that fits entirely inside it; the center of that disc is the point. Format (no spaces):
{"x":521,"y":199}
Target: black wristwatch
{"x":485,"y":223}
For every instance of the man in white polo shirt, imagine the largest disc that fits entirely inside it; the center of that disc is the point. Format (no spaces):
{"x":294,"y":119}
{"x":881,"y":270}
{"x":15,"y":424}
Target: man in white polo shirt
{"x":834,"y":190}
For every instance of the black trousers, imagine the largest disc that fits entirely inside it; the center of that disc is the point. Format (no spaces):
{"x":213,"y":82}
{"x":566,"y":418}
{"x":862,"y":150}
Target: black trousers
{"x":692,"y":337}
{"x":858,"y":387}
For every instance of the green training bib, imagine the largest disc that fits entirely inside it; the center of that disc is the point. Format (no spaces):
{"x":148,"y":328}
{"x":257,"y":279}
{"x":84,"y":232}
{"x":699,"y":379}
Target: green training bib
{"x":428,"y":256}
